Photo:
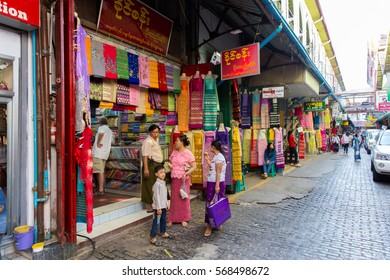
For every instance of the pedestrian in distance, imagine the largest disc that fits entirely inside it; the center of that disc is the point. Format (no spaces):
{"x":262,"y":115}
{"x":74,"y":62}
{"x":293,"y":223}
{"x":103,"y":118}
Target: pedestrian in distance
{"x":152,"y":156}
{"x":160,"y":206}
{"x":3,"y":216}
{"x":292,"y":144}
{"x":100,"y":153}
{"x":345,"y":142}
{"x":336,"y":143}
{"x":356,"y":147}
{"x":182,"y":164}
{"x":269,"y":159}
{"x":216,"y":178}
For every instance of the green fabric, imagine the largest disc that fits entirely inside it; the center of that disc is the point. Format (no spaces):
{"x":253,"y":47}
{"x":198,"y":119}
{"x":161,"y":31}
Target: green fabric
{"x":176,"y":81}
{"x":122,"y":63}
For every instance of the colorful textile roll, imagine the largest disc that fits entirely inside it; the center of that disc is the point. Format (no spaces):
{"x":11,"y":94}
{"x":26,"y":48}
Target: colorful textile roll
{"x":176,"y":80}
{"x":197,"y":175}
{"x":209,"y":137}
{"x":154,"y":99}
{"x":264,"y":113}
{"x":133,"y":68}
{"x":134,"y":95}
{"x":261,"y":145}
{"x":122,"y":64}
{"x":236,"y":154}
{"x":109,"y":90}
{"x":279,"y":148}
{"x":182,"y":105}
{"x":302,"y":146}
{"x":109,"y":53}
{"x":144,"y":72}
{"x":256,"y":110}
{"x":123,"y":93}
{"x":245,"y":111}
{"x":223,"y":136}
{"x":98,"y":69}
{"x":254,"y":161}
{"x":171,"y":119}
{"x":162,"y":77}
{"x":106,"y":105}
{"x":196,"y":103}
{"x":246,"y":145}
{"x":210,"y":104}
{"x":153,"y":68}
{"x":88,"y":51}
{"x":96,"y":88}
{"x":171,"y":102}
{"x":169,"y":75}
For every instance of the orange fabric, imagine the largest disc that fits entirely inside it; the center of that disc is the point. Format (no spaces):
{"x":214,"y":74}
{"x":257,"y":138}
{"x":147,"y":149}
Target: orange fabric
{"x":88,"y":50}
{"x":182,"y":105}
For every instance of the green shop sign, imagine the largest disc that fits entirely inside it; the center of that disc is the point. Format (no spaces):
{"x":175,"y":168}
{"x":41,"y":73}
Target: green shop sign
{"x":314,"y":106}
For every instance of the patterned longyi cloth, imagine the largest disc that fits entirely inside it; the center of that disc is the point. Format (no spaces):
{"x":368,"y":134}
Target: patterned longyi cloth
{"x":196,"y":103}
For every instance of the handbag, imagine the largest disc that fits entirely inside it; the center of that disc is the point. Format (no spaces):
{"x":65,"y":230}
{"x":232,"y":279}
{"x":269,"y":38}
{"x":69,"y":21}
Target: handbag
{"x":218,"y":211}
{"x":183,"y":193}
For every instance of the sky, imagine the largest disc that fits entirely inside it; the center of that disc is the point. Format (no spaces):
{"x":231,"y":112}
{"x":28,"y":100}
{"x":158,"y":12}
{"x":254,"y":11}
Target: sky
{"x":351,"y":25}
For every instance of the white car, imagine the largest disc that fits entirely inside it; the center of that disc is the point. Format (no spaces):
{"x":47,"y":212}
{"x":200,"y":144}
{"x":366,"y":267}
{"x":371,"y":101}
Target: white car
{"x":380,"y":156}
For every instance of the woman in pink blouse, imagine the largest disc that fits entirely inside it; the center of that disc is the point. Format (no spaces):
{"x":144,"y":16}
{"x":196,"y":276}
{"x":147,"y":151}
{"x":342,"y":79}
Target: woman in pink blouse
{"x":182,"y":165}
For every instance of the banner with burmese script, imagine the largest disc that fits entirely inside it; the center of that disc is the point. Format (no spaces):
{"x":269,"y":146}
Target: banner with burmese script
{"x":240,"y":62}
{"x":135,"y":22}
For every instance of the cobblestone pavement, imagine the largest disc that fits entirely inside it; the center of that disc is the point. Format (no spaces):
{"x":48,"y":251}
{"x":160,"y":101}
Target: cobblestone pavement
{"x":345,"y":216}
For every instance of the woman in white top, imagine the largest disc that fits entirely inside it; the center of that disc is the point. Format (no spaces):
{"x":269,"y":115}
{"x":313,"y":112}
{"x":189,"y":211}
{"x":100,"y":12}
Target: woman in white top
{"x":216,"y":177}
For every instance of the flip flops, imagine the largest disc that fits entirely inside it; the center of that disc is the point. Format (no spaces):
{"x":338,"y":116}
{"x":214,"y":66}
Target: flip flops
{"x":169,"y":236}
{"x":156,"y":243}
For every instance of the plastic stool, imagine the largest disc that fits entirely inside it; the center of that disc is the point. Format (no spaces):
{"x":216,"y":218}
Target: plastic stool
{"x":273,"y":171}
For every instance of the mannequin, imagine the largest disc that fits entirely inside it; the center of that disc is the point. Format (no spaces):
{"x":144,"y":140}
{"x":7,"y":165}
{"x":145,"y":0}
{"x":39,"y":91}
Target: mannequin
{"x":209,"y":75}
{"x":222,"y":127}
{"x":183,"y":76}
{"x":197,"y":75}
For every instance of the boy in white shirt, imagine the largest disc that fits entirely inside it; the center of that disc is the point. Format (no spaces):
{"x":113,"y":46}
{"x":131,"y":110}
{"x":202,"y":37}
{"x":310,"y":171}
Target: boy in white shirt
{"x":160,"y":206}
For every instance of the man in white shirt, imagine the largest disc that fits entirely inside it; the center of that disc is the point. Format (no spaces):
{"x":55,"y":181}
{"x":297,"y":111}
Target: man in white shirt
{"x":101,"y":151}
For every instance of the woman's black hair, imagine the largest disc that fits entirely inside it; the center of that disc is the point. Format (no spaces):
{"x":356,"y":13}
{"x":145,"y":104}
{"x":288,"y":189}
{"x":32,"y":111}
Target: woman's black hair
{"x":269,"y":146}
{"x":184,"y":140}
{"x":217,"y":145}
{"x":153,"y":127}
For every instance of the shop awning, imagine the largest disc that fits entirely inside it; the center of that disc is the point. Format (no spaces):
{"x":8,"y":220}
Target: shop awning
{"x":383,"y":118}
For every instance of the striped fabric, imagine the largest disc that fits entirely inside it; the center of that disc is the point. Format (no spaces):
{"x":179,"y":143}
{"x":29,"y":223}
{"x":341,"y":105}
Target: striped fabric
{"x":254,"y":161}
{"x":210,"y":104}
{"x":144,"y":72}
{"x":169,"y":74}
{"x":261,"y":145}
{"x":133,"y":68}
{"x":182,"y":105}
{"x":123,"y":93}
{"x":246,"y":145}
{"x":302,"y":146}
{"x":279,"y":148}
{"x":122,"y":64}
{"x":245,"y":111}
{"x":264,"y":113}
{"x":196,"y":103}
{"x":109,"y":53}
{"x":323,"y":138}
{"x":171,"y":102}
{"x":236,"y":154}
{"x":176,"y":80}
{"x":256,"y":110}
{"x":197,"y":175}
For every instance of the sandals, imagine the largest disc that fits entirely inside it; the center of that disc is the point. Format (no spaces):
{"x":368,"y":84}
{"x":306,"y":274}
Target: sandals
{"x":155,"y":242}
{"x":208,"y":231}
{"x":168,"y":235}
{"x":184,"y":224}
{"x":99,"y":193}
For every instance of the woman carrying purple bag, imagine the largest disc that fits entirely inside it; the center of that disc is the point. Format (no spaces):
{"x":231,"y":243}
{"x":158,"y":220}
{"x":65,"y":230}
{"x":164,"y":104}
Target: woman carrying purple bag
{"x":216,"y":178}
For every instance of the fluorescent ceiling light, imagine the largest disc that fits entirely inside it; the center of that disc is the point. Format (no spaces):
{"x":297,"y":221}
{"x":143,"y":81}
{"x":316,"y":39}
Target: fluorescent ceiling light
{"x":236,"y":31}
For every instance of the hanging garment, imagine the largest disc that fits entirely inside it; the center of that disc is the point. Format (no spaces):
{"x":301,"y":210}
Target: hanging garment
{"x":98,"y":69}
{"x":134,"y":95}
{"x":236,"y":154}
{"x":246,"y":145}
{"x":142,"y":97}
{"x":312,"y":149}
{"x":318,"y":139}
{"x":271,"y":135}
{"x":153,"y":68}
{"x":88,"y":51}
{"x":236,"y":110}
{"x":261,"y":145}
{"x":122,"y":64}
{"x":256,"y":110}
{"x":196,"y":103}
{"x":109,"y":53}
{"x":316,"y":120}
{"x":176,"y":81}
{"x":310,"y":123}
{"x":148,"y":107}
{"x":197,"y":174}
{"x":298,"y":111}
{"x":327,"y":119}
{"x":279,"y":148}
{"x":323,"y":140}
{"x":322,"y":123}
{"x":171,"y":102}
{"x":144,"y":72}
{"x":245,"y":111}
{"x":264,"y":113}
{"x":209,"y":137}
{"x":109,"y":90}
{"x":123,"y":93}
{"x":96,"y":88}
{"x":182,"y":105}
{"x":169,"y":75}
{"x":274,"y":118}
{"x":164,"y":102}
{"x":254,"y":153}
{"x":305,"y":122}
{"x":210,"y":104}
{"x":302,"y":145}
{"x":83,"y":155}
{"x":154,"y":99}
{"x":133,"y":69}
{"x":162,"y":77}
{"x":223,"y":136}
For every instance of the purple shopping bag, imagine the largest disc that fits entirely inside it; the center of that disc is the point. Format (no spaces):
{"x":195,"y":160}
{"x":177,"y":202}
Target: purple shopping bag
{"x":219,"y":211}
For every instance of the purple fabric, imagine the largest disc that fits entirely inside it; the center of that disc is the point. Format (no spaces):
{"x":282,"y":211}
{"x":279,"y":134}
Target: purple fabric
{"x":210,"y":192}
{"x":245,"y":111}
{"x":196,"y":103}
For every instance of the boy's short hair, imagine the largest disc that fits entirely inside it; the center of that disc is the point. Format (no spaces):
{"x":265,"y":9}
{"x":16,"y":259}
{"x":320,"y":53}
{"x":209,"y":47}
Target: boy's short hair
{"x":158,"y":168}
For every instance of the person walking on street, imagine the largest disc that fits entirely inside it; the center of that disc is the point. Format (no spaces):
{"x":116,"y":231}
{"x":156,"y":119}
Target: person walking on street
{"x":269,"y":159}
{"x":100,"y":152}
{"x":292,"y":144}
{"x":182,"y":163}
{"x":356,"y":147}
{"x":151,"y":157}
{"x":160,"y":206}
{"x":216,"y":178}
{"x":345,"y":142}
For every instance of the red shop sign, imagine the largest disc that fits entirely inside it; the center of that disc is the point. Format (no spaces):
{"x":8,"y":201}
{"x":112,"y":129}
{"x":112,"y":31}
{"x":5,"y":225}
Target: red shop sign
{"x":24,"y":11}
{"x":384,"y":106}
{"x":137,"y":23}
{"x":241,"y":62}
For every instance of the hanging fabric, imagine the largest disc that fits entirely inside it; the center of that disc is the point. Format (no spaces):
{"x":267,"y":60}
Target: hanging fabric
{"x":245,"y":111}
{"x":271,"y":135}
{"x":246,"y":145}
{"x":279,"y":148}
{"x":171,"y":102}
{"x":176,"y":81}
{"x":274,"y":118}
{"x":312,"y":149}
{"x":144,"y":72}
{"x":318,"y":139}
{"x":122,"y":64}
{"x":264,"y":113}
{"x":142,"y":97}
{"x":236,"y":110}
{"x":197,"y":174}
{"x":310,"y":123}
{"x":109,"y":53}
{"x":223,"y":136}
{"x":88,"y":50}
{"x":210,"y":104}
{"x":153,"y":68}
{"x":148,"y":107}
{"x":261,"y":145}
{"x":162,"y":77}
{"x":254,"y":161}
{"x":169,"y":75}
{"x":298,"y":111}
{"x":96,"y":88}
{"x":154,"y":99}
{"x":302,"y":146}
{"x":123,"y":93}
{"x":196,"y":103}
{"x":182,"y":104}
{"x":327,"y":119}
{"x":316,"y":120}
{"x":209,"y":137}
{"x":164,"y":102}
{"x":98,"y":69}
{"x":305,"y":122}
{"x":236,"y":153}
{"x":256,"y":110}
{"x":134,"y":95}
{"x":133,"y":68}
{"x":109,"y":90}
{"x":323,"y":140}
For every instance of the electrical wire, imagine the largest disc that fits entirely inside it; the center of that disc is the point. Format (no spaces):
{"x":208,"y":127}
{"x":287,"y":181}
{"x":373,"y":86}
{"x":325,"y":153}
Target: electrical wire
{"x":93,"y":245}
